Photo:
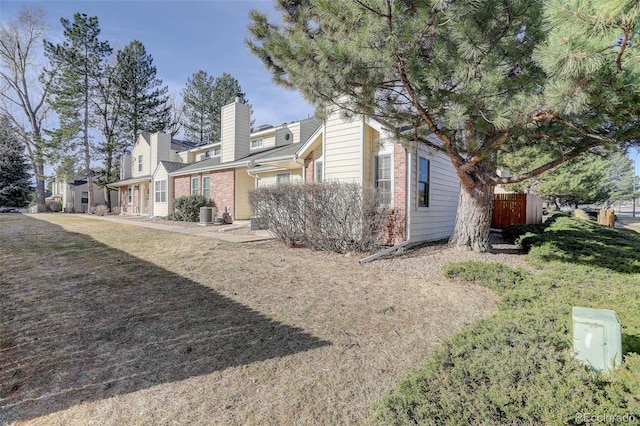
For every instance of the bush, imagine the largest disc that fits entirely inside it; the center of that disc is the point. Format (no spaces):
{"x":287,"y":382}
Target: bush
{"x":101,"y":210}
{"x":54,"y":206}
{"x":187,"y":208}
{"x":332,"y":216}
{"x":516,"y":367}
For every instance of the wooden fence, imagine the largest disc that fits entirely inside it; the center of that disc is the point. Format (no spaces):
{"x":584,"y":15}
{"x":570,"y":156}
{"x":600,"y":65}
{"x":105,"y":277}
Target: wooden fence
{"x":516,"y":209}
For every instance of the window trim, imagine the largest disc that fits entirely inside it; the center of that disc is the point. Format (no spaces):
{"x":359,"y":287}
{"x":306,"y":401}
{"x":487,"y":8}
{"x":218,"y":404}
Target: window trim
{"x":318,"y":166}
{"x":287,"y":174}
{"x":256,"y":143}
{"x":427,"y":183}
{"x":139,"y":162}
{"x":130,"y":195}
{"x":208,"y":187}
{"x":161,"y":192}
{"x":82,"y":197}
{"x":195,"y":189}
{"x":376,"y":170}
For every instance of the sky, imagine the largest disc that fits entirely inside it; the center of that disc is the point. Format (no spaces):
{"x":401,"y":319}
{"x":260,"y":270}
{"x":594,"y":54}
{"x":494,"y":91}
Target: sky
{"x":184,"y":37}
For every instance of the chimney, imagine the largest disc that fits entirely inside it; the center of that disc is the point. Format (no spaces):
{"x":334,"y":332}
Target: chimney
{"x":235,"y":123}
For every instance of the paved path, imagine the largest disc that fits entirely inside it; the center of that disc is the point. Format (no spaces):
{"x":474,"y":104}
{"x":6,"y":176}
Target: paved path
{"x":203,"y":231}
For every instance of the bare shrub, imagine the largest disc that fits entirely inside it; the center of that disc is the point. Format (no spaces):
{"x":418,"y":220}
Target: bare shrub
{"x":101,"y":210}
{"x":338,"y":217}
{"x":54,"y":206}
{"x":69,"y":208}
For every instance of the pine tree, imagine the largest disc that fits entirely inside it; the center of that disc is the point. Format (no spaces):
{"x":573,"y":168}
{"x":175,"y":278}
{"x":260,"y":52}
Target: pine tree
{"x":197,"y":98}
{"x":145,"y":102}
{"x":76,"y":66}
{"x":225,"y":90}
{"x":485,"y":77}
{"x":203,"y":97}
{"x":15,"y":180}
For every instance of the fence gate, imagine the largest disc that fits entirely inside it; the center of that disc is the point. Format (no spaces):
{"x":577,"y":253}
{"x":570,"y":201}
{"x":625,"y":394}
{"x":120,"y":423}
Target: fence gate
{"x":509,"y":209}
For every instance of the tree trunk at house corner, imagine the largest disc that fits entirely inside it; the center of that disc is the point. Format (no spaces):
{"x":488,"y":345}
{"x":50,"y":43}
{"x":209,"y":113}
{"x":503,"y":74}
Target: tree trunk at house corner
{"x":473,"y":219}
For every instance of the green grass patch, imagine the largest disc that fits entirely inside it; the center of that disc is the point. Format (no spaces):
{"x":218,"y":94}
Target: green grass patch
{"x":517,"y":366}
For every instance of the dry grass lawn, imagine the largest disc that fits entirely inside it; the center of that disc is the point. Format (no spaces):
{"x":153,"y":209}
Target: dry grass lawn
{"x":109,"y":323}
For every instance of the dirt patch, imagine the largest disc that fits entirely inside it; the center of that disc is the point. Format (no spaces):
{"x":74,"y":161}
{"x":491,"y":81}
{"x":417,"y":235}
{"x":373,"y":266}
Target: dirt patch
{"x":109,"y":323}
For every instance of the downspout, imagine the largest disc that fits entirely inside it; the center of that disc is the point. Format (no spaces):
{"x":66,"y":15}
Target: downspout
{"x":297,"y":160}
{"x":407,"y":220}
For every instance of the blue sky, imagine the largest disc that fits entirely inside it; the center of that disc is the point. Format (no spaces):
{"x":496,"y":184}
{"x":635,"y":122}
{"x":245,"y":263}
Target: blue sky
{"x":184,"y":37}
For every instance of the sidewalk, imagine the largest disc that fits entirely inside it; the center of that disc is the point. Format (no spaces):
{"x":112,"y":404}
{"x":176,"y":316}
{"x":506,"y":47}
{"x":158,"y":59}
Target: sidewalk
{"x":189,"y":228}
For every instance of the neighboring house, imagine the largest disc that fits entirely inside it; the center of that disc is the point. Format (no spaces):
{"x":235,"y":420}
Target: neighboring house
{"x":73,"y":194}
{"x":421,"y":183}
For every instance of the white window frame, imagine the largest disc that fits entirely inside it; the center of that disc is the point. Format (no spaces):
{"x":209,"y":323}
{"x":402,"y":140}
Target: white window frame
{"x":207,"y":188}
{"x":257,"y":143}
{"x":318,"y":170}
{"x":195,"y":185}
{"x":217,"y":151}
{"x":130,"y":195}
{"x":160,"y":191}
{"x":140,"y":162}
{"x":377,"y":180}
{"x":427,"y":182}
{"x":282,"y":175}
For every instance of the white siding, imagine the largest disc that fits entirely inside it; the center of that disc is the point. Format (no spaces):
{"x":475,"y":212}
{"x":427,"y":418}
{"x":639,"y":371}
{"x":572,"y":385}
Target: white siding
{"x":437,"y":221}
{"x":244,"y":184}
{"x":269,"y":178}
{"x":161,"y":209}
{"x":141,"y":148}
{"x":343,"y":149}
{"x":235,"y":123}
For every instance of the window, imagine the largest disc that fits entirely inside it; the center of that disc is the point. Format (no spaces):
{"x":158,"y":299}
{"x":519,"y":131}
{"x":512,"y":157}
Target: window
{"x":194,"y":186}
{"x":383,"y":176}
{"x":84,"y":197}
{"x":283,"y":178}
{"x":256,"y":143}
{"x":205,"y":187}
{"x":161,"y":191}
{"x":140,"y":163}
{"x":130,"y":195}
{"x":217,"y":151}
{"x":423,"y":182}
{"x":318,"y":171}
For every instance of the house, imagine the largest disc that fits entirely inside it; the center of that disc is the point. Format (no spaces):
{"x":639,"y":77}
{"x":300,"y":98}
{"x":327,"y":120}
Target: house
{"x":421,"y":183}
{"x":73,"y":194}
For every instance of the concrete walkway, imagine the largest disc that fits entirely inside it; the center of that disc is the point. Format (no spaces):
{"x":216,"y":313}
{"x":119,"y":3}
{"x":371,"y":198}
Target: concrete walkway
{"x":217,"y":232}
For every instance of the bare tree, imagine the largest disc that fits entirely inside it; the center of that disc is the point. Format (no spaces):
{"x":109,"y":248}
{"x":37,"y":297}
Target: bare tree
{"x":23,"y":90}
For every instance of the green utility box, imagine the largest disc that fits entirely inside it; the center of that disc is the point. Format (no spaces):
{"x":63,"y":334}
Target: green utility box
{"x":597,"y":338}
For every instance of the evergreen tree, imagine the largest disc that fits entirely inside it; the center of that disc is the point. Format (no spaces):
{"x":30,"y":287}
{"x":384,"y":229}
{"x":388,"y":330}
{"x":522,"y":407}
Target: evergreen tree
{"x":225,"y":90}
{"x":485,"y":77}
{"x":145,"y":104}
{"x":108,"y":113}
{"x":203,"y":98}
{"x":198,"y":107}
{"x":76,"y":67}
{"x":15,"y":180}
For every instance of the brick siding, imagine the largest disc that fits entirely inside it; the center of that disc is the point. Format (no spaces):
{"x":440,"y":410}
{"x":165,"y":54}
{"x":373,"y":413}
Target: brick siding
{"x":398,"y":222}
{"x":223,"y":194}
{"x":309,"y":168}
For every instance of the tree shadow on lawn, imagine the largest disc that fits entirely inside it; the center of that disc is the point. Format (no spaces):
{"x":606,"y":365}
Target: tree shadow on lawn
{"x":614,"y":249}
{"x":94,"y":322}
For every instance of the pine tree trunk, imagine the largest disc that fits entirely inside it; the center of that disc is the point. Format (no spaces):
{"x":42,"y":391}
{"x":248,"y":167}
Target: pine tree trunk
{"x":473,"y":219}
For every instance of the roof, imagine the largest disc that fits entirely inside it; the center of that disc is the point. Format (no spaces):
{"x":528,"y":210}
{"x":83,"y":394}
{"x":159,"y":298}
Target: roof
{"x":179,"y":144}
{"x":172,"y":166}
{"x":287,"y":151}
{"x":130,"y":181}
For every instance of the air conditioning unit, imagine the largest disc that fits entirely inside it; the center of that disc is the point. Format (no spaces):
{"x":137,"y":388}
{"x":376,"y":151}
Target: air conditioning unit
{"x":597,"y":338}
{"x":206,"y":216}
